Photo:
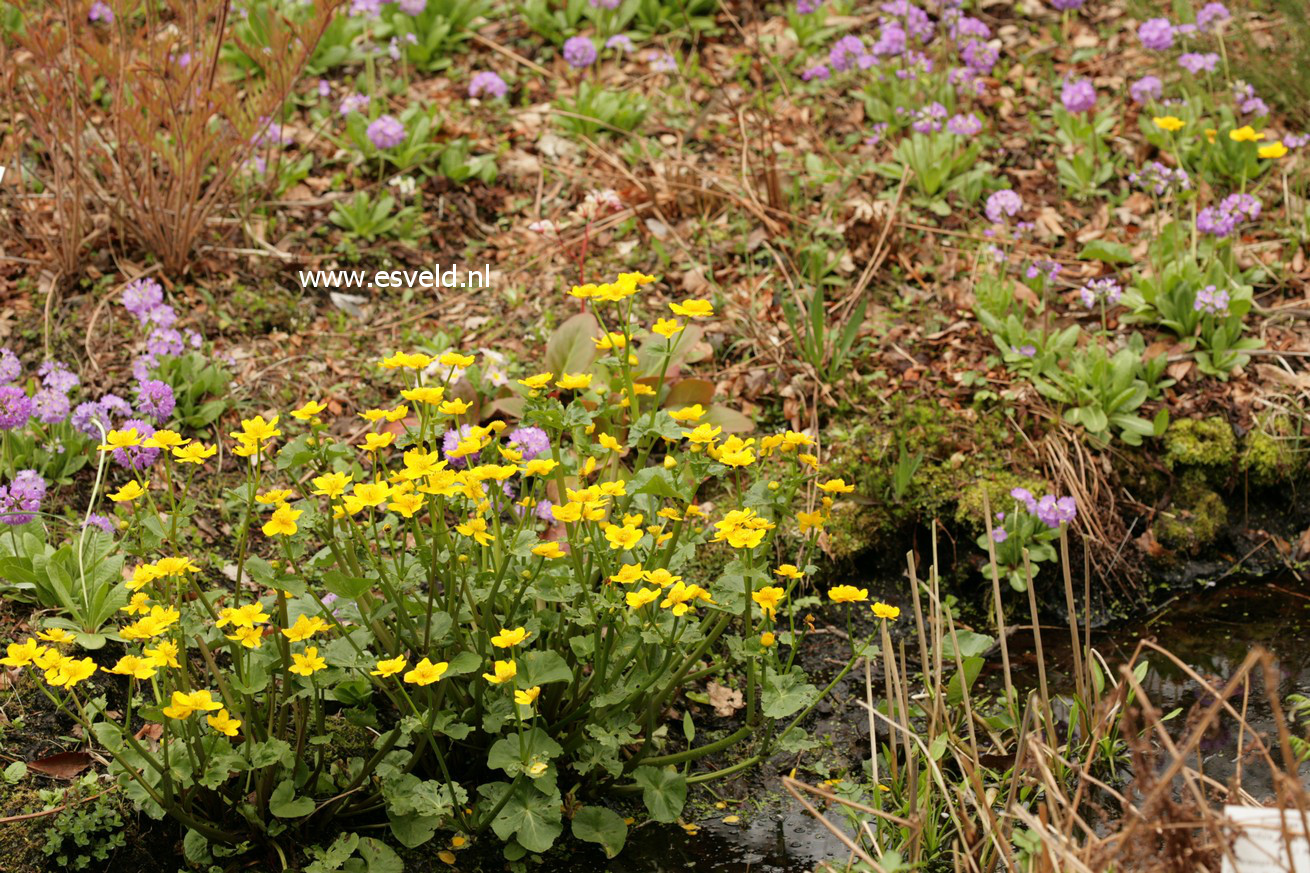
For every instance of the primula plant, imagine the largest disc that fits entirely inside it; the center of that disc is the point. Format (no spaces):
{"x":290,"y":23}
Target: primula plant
{"x":1028,"y":530}
{"x":504,"y":610}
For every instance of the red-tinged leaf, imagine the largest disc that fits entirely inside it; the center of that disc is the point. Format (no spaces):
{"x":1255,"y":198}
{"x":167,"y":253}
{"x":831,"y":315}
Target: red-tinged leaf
{"x":730,"y":420}
{"x":689,"y":391}
{"x":64,"y":765}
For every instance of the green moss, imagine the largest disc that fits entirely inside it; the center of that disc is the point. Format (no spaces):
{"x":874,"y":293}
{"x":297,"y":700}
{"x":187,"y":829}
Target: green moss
{"x":1195,"y":519}
{"x":1200,"y":442}
{"x":1271,"y":452}
{"x":997,"y":486}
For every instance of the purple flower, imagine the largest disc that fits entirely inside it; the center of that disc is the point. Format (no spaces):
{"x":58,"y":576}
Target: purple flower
{"x":545,"y":510}
{"x":1106,"y":290}
{"x":21,"y":499}
{"x":137,"y":458}
{"x":619,"y":41}
{"x":1214,"y":221}
{"x":487,"y":84}
{"x":1292,"y":141}
{"x":1198,"y":62}
{"x":386,"y":132}
{"x":1211,"y":301}
{"x":1053,"y":512}
{"x":964,"y":125}
{"x":412,"y":7}
{"x":819,"y":72}
{"x":1066,"y":5}
{"x":1078,"y":95}
{"x":579,"y":52}
{"x":1156,"y":177}
{"x":10,"y":367}
{"x":103,"y":522}
{"x":999,"y":535}
{"x":366,"y":8}
{"x":805,"y":7}
{"x":979,"y":56}
{"x":1156,"y":34}
{"x":846,"y":53}
{"x":1024,"y":496}
{"x":892,"y":40}
{"x":967,"y":25}
{"x":531,"y":441}
{"x":1211,"y":14}
{"x":50,"y":406}
{"x":1146,"y":89}
{"x":929,"y":119}
{"x":353,"y":103}
{"x":15,"y":407}
{"x":1028,"y":350}
{"x":155,"y":400}
{"x":56,"y":376}
{"x":606,"y":4}
{"x":99,"y":11}
{"x":141,"y":296}
{"x":1002,"y":204}
{"x":661,"y":62}
{"x":324,"y":88}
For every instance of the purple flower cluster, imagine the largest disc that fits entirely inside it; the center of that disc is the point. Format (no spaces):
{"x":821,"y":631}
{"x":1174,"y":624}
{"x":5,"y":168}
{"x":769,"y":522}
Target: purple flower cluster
{"x":15,"y":407}
{"x":1052,"y":511}
{"x":103,"y":412}
{"x":1212,"y":301}
{"x":1222,"y":220}
{"x":805,"y":7}
{"x":487,"y":84}
{"x":101,"y":522}
{"x":20,"y":500}
{"x":1078,"y":95}
{"x":531,"y":441}
{"x":1161,"y":179}
{"x":353,"y":103}
{"x":848,"y":53}
{"x":412,"y":7}
{"x":930,"y":118}
{"x":1106,"y":291}
{"x":620,"y":41}
{"x":386,"y":132}
{"x":99,"y":11}
{"x":1046,"y":270}
{"x":155,"y":400}
{"x":137,"y":458}
{"x":1247,"y":102}
{"x":1001,"y":205}
{"x":818,"y":71}
{"x":1146,"y":89}
{"x":1156,"y":34}
{"x":964,"y":125}
{"x":1211,"y":14}
{"x":579,"y":52}
{"x":144,"y":298}
{"x":1067,"y":5}
{"x":1199,"y":62}
{"x":450,"y":442}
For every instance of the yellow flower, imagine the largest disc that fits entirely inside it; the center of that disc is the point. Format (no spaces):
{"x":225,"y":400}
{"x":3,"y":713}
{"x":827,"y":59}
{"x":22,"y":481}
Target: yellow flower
{"x":129,"y":492}
{"x":425,"y":672}
{"x":810,"y":520}
{"x":455,"y":359}
{"x":641,"y":597}
{"x":1170,"y":123}
{"x":165,"y":439}
{"x":836,"y":486}
{"x":693,"y":308}
{"x":224,"y":723}
{"x":304,"y":628}
{"x":21,"y":654}
{"x":68,"y":672}
{"x":1210,"y":134}
{"x":789,"y":571}
{"x":682,"y":598}
{"x":186,"y":703}
{"x":1246,"y":133}
{"x":375,"y":441}
{"x":548,"y":550}
{"x":735,"y":452}
{"x":428,"y":395}
{"x":406,"y":504}
{"x":134,"y":666}
{"x":887,"y":611}
{"x":539,"y":467}
{"x":527,"y":696}
{"x":768,"y":598}
{"x":174,"y":566}
{"x":610,"y":341}
{"x":622,"y":537}
{"x":661,"y":577}
{"x":307,"y":664}
{"x":477,"y":529}
{"x":270,"y":498}
{"x":308,"y":411}
{"x":406,"y":361}
{"x":56,"y":635}
{"x":194,"y":453}
{"x":767,"y":639}
{"x":247,"y":615}
{"x":703,"y":435}
{"x":537,"y":382}
{"x":508,"y":639}
{"x":164,"y":654}
{"x":120,"y":439}
{"x":454,"y":407}
{"x":1273,"y":151}
{"x":250,"y":637}
{"x":389,"y":667}
{"x":687,"y":414}
{"x":331,"y":484}
{"x":504,"y":672}
{"x":667,"y":327}
{"x":574,"y":381}
{"x":138,"y":605}
{"x":609,"y":442}
{"x":257,"y":430}
{"x":628,"y":574}
{"x":848,"y":594}
{"x":282,"y":522}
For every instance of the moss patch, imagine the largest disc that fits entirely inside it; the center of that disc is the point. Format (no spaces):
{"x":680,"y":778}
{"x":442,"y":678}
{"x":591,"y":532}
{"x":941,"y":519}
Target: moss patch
{"x":1200,"y":442}
{"x":1196,"y":518}
{"x":1271,"y":452}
